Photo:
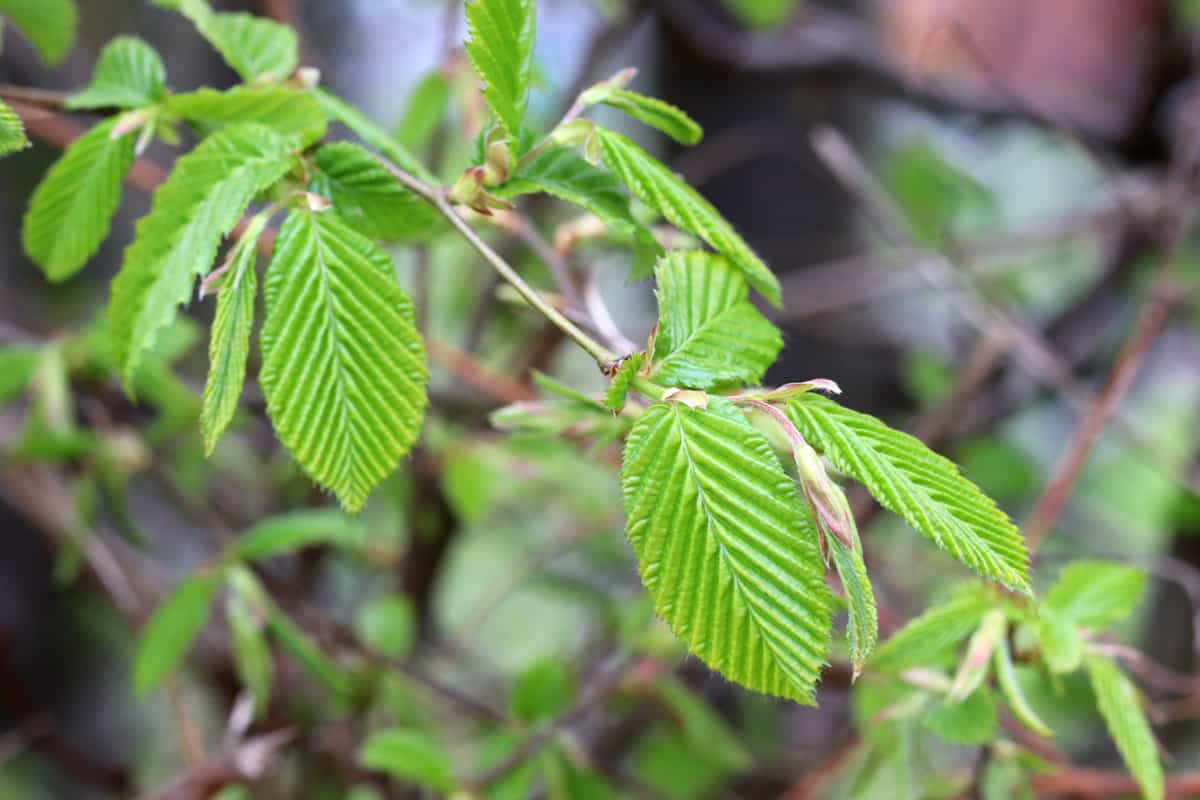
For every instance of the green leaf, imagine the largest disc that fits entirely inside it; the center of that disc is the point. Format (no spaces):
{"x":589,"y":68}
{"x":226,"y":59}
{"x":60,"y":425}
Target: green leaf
{"x":259,"y":50}
{"x":366,"y":195}
{"x":910,"y":480}
{"x":197,"y":205}
{"x":614,"y":398}
{"x":656,"y":113}
{"x":426,"y":109}
{"x":128,"y":74}
{"x":49,"y":24}
{"x":12,"y":131}
{"x":764,"y":14}
{"x":724,"y":547}
{"x":978,"y":656}
{"x":934,"y":635}
{"x":374,"y":136}
{"x":387,"y":624}
{"x":1059,"y":640}
{"x":72,"y":208}
{"x":563,"y":173}
{"x":168,"y":635}
{"x":501,"y":49}
{"x":17,"y":365}
{"x":1006,"y":678}
{"x":343,"y":364}
{"x":542,"y":691}
{"x":709,"y":335}
{"x":862,"y":622}
{"x":292,"y":114}
{"x":309,"y":655}
{"x":229,"y":346}
{"x":251,"y":654}
{"x":411,"y":756}
{"x":658,"y":187}
{"x":1095,"y":594}
{"x":969,"y":722}
{"x":1120,"y":704}
{"x":295,"y":530}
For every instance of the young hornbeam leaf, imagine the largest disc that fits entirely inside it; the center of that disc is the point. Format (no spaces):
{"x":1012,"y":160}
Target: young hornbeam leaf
{"x":12,"y":131}
{"x":974,"y":666}
{"x":165,"y":640}
{"x":411,"y":756}
{"x":656,"y":186}
{"x":561,"y":172}
{"x":1095,"y":594}
{"x":654,"y":112}
{"x":1059,"y":640}
{"x":230,"y":343}
{"x":790,"y":391}
{"x":245,"y":616}
{"x":49,"y":24}
{"x":614,"y":398}
{"x":259,"y":50}
{"x":128,"y":74}
{"x":379,"y":140}
{"x":176,"y":242}
{"x":368,"y":197}
{"x":72,"y":208}
{"x":501,"y":50}
{"x":725,"y":548}
{"x":862,"y":619}
{"x":1006,"y":678}
{"x":308,"y":654}
{"x":427,"y":105}
{"x":287,"y":533}
{"x":927,"y":490}
{"x":292,"y":114}
{"x":1120,"y":704}
{"x":933,"y":636}
{"x":709,"y":335}
{"x":343,"y":364}
{"x":969,"y":721}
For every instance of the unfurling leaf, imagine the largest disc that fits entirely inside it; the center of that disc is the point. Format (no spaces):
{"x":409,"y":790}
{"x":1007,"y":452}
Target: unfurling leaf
{"x":1120,"y":704}
{"x":561,"y":172}
{"x":177,"y":241}
{"x":367,"y":197}
{"x":910,"y":480}
{"x":230,"y":343}
{"x":970,"y":721}
{"x":542,"y":691}
{"x":614,"y":398}
{"x":862,"y":622}
{"x":72,"y":208}
{"x":656,"y":113}
{"x":251,"y":654}
{"x":343,"y":364}
{"x":501,"y":49}
{"x":128,"y":74}
{"x":1006,"y":678}
{"x":933,"y":636}
{"x":1059,"y":640}
{"x":165,"y":640}
{"x":12,"y":131}
{"x":724,"y":547}
{"x":656,"y":186}
{"x":709,"y":335}
{"x":978,"y":656}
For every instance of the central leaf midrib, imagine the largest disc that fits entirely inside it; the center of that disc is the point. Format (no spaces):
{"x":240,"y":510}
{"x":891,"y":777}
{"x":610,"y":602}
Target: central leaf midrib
{"x":715,"y":526}
{"x":331,"y":315}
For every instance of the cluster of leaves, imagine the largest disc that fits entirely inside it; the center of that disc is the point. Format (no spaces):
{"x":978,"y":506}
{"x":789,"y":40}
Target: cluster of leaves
{"x":947,"y":670}
{"x":731,"y":510}
{"x":736,"y":566}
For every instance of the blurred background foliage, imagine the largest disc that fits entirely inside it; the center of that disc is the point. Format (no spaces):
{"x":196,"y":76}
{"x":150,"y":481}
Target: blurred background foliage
{"x":1021,"y":149}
